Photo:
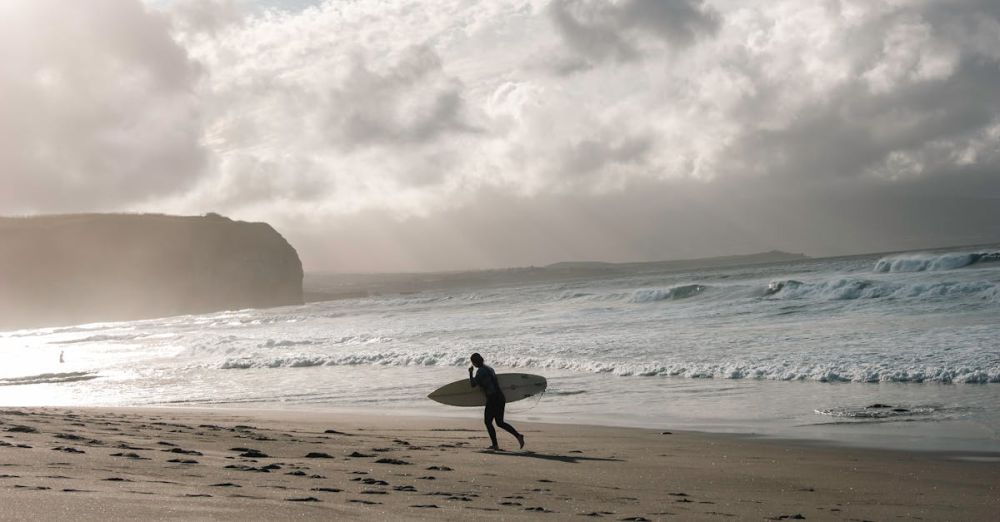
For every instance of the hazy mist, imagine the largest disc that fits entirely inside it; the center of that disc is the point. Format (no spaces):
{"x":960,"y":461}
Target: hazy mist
{"x":390,"y":136}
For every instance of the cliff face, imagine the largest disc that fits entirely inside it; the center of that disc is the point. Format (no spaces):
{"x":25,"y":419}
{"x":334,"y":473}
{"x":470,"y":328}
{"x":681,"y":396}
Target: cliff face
{"x":72,"y":269}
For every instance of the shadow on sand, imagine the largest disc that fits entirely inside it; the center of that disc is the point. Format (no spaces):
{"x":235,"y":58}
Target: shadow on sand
{"x":571,"y":459}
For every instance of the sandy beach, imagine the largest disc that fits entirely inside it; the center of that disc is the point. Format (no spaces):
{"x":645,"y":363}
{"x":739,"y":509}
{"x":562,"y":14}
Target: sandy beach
{"x":239,"y":464}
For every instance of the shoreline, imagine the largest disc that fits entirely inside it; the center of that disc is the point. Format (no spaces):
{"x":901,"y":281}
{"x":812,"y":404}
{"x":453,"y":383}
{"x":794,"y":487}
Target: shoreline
{"x":160,"y":462}
{"x":472,"y":415}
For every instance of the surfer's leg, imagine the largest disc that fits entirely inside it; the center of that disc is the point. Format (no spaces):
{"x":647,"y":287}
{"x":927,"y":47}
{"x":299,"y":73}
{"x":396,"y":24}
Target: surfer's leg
{"x":488,"y":416}
{"x":500,"y":422}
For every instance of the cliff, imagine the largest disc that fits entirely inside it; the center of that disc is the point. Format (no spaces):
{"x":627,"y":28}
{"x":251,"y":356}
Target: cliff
{"x":71,"y":269}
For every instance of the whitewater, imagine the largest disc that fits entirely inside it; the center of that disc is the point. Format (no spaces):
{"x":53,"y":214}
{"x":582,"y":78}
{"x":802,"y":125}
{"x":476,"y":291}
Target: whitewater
{"x":885,"y":350}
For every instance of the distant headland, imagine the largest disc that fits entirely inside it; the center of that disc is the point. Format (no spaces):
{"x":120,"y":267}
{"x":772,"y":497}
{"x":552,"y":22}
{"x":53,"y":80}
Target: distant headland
{"x":327,"y":286}
{"x":79,"y":268}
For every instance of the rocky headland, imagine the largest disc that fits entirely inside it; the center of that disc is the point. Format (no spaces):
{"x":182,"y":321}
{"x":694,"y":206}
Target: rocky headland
{"x":71,"y":269}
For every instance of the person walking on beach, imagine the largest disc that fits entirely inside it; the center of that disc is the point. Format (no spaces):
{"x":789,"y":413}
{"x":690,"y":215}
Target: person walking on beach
{"x":486,"y":379}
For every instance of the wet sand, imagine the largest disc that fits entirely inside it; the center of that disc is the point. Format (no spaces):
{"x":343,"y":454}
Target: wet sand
{"x":241,"y":464}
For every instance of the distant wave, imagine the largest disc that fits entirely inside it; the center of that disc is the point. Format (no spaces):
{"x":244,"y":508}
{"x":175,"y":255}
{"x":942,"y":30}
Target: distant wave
{"x":934,"y":262}
{"x":880,"y":412}
{"x":848,"y":288}
{"x":48,"y":378}
{"x":648,"y":295}
{"x":639,"y":295}
{"x":861,"y":372}
{"x":101,"y":338}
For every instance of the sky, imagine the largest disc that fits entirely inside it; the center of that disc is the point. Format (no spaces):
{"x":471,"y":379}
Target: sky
{"x":454,"y":134}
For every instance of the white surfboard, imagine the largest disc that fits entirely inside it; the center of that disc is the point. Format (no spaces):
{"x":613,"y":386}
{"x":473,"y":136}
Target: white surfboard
{"x":515,"y":386}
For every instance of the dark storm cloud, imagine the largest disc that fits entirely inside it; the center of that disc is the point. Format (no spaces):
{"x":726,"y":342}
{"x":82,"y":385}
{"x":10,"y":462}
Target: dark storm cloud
{"x":600,"y":31}
{"x":97,"y":107}
{"x":411,"y":102}
{"x":857,"y":131}
{"x":592,"y":156}
{"x":409,"y":135}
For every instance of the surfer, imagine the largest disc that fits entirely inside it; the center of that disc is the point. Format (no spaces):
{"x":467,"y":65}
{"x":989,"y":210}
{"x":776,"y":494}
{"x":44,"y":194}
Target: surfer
{"x":486,"y":379}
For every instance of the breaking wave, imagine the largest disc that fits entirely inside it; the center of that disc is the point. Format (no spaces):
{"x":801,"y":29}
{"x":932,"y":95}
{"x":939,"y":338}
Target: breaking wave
{"x":879,"y":412}
{"x":851,"y":288}
{"x":649,"y":295}
{"x":934,"y":262}
{"x":866,"y":373}
{"x":48,"y":378}
{"x":639,"y":295}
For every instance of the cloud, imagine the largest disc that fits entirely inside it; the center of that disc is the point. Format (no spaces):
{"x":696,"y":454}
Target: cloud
{"x":600,"y":31}
{"x":411,"y":102}
{"x":193,"y":17}
{"x":728,"y":123}
{"x":97,"y":108}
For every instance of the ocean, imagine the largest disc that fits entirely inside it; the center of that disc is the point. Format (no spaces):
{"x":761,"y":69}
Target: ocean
{"x":891,"y":351}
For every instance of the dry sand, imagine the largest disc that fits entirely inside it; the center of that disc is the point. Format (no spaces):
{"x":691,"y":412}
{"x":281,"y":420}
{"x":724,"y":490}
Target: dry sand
{"x":125,"y":464}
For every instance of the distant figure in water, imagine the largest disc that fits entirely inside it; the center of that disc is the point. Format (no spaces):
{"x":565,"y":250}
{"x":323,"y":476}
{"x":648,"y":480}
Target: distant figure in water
{"x":486,"y":379}
{"x":61,"y":357}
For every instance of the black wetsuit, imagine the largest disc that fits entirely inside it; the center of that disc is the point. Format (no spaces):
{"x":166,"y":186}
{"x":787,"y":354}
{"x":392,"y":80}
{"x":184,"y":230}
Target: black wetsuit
{"x":486,"y":379}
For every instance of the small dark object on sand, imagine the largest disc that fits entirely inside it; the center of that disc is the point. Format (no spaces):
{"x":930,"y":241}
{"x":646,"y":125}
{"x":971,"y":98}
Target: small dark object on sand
{"x":359,"y":455}
{"x":394,"y":462}
{"x":318,"y":455}
{"x":254,"y":454}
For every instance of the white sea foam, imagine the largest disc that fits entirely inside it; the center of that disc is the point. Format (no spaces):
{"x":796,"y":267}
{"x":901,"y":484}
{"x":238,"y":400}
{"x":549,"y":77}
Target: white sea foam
{"x":933,"y":262}
{"x":985,"y":372}
{"x":630,"y":340}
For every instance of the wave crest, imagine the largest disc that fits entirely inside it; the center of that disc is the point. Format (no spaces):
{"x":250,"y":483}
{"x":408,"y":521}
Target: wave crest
{"x":650,"y":295}
{"x":933,"y":262}
{"x":866,"y":373}
{"x":850,"y":289}
{"x":48,"y":378}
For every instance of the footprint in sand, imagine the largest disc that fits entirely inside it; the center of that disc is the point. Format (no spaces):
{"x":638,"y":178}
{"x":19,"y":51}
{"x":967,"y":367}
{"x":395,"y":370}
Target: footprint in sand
{"x":425,"y":506}
{"x":184,"y":451}
{"x":327,"y":490}
{"x":317,"y":455}
{"x":370,"y":481}
{"x":303,"y":499}
{"x":394,"y":462}
{"x":360,"y":455}
{"x":254,"y":454}
{"x":132,"y":456}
